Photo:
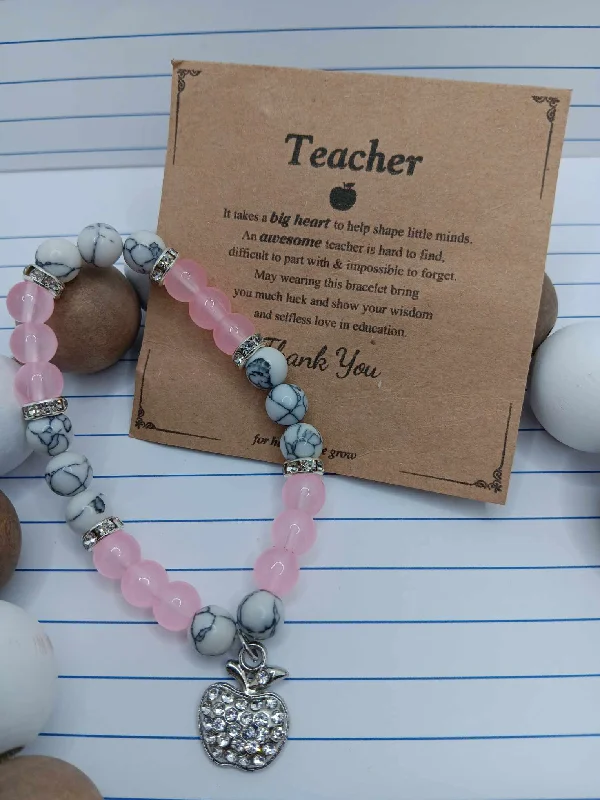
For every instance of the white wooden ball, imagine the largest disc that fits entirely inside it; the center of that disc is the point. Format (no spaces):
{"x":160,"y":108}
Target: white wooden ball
{"x":28,"y":677}
{"x":13,"y":445}
{"x":564,"y":388}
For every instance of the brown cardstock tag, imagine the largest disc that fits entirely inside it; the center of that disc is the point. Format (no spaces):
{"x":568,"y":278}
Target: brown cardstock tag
{"x":389,"y":234}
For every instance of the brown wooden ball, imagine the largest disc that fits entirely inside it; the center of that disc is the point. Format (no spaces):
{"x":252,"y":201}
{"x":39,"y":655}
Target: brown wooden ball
{"x":44,"y":778}
{"x":10,"y":540}
{"x":547,"y":313}
{"x":96,"y":320}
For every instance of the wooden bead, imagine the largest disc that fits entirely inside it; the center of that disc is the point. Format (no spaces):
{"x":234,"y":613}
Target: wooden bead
{"x":10,"y":539}
{"x":44,"y":778}
{"x":96,"y":320}
{"x":547,"y":313}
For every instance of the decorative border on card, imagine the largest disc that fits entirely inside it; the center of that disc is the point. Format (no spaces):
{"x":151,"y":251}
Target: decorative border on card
{"x":550,"y":116}
{"x":140,"y":422}
{"x":495,"y":485}
{"x":181,"y":76}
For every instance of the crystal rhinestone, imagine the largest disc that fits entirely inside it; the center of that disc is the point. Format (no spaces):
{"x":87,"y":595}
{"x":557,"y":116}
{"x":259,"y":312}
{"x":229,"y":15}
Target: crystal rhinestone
{"x":227,"y":696}
{"x":269,"y":749}
{"x":218,"y":709}
{"x":210,"y":739}
{"x":260,"y":718}
{"x":217,"y":754}
{"x":277,"y":734}
{"x":239,"y":746}
{"x":243,"y":761}
{"x":162,"y":265}
{"x":208,"y":723}
{"x":271,"y":702}
{"x":247,"y":349}
{"x":234,"y":730}
{"x":230,"y":714}
{"x":256,"y":705}
{"x":241,"y":704}
{"x":213,"y":694}
{"x":219,"y":724}
{"x":38,"y":275}
{"x":250,"y":732}
{"x":252,"y":747}
{"x":258,"y":761}
{"x":99,"y":531}
{"x":278,"y":718}
{"x":206,"y":709}
{"x":223,"y":740}
{"x":262,"y":734}
{"x":44,"y":408}
{"x":303,"y":466}
{"x":231,"y":757}
{"x":246,"y":719}
{"x":263,"y":677}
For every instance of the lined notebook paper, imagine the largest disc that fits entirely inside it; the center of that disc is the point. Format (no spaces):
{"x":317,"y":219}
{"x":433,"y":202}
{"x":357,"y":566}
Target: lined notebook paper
{"x":437,"y":648}
{"x":82,"y":88}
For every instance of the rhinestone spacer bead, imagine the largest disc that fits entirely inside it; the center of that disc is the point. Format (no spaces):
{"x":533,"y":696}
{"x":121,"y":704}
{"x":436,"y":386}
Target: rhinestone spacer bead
{"x":44,"y":408}
{"x":99,"y":531}
{"x":247,"y":349}
{"x":38,"y":275}
{"x":162,"y":265}
{"x":303,"y":466}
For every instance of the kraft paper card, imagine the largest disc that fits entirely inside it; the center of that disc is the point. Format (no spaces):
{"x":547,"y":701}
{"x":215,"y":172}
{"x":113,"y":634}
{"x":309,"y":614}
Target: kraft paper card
{"x":388,"y":235}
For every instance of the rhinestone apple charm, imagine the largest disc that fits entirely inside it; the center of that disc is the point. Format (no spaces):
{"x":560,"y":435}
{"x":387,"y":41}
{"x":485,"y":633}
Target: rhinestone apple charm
{"x":244,"y":727}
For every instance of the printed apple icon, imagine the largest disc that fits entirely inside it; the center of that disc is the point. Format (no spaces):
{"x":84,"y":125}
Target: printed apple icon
{"x":343,"y":197}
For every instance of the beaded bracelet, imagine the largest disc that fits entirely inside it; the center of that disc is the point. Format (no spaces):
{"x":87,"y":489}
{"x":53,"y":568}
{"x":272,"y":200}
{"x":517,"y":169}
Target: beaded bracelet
{"x":243,"y":727}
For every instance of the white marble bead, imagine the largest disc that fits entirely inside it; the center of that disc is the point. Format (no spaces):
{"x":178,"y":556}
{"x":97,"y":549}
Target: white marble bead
{"x":286,"y":404}
{"x":100,"y":244}
{"x":301,"y":441}
{"x":68,"y":474}
{"x":259,"y":614}
{"x":85,"y":510}
{"x":213,"y":631}
{"x":266,"y":368}
{"x":141,"y":284}
{"x":141,"y":249}
{"x":28,"y":678}
{"x":50,"y":435}
{"x":60,"y":258}
{"x":14,"y":448}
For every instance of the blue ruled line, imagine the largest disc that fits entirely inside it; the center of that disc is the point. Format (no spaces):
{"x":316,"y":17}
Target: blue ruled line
{"x":343,"y":678}
{"x":476,"y":738}
{"x":361,"y":568}
{"x":312,"y":29}
{"x":227,"y":520}
{"x":516,"y":621}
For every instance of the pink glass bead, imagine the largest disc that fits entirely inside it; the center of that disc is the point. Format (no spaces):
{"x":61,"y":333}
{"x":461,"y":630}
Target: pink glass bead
{"x":28,"y":302}
{"x":208,"y":306}
{"x":113,"y":554}
{"x":176,"y":605}
{"x":143,"y":582}
{"x":184,"y":279}
{"x":305,"y":492}
{"x":37,"y":381}
{"x":276,"y":570}
{"x":230,"y":332}
{"x":33,"y":341}
{"x":294,"y":530}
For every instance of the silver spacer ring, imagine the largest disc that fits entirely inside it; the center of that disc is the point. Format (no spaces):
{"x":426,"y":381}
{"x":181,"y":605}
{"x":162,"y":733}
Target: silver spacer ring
{"x":44,"y":408}
{"x":247,"y":349}
{"x":162,"y":265}
{"x":99,"y":531}
{"x":44,"y":279}
{"x":303,"y":466}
